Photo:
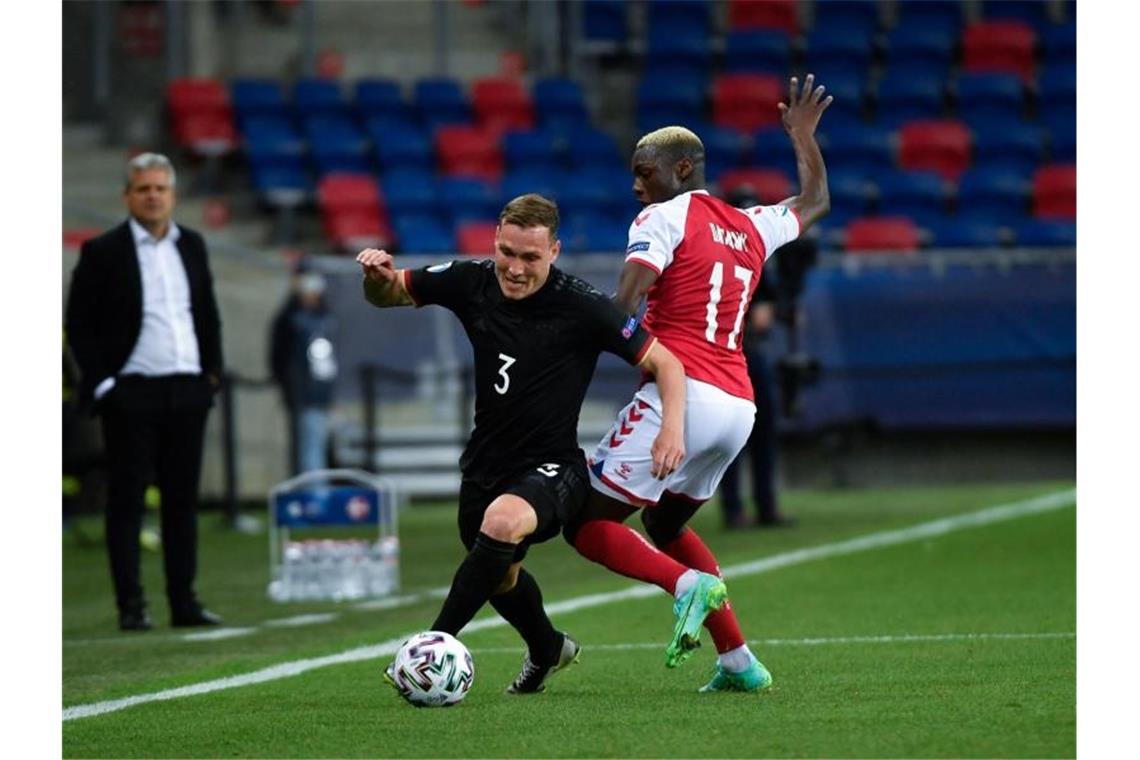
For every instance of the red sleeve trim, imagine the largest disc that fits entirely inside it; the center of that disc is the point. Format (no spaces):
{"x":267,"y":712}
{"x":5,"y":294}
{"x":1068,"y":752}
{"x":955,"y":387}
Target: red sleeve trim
{"x":645,"y":264}
{"x":407,"y":275}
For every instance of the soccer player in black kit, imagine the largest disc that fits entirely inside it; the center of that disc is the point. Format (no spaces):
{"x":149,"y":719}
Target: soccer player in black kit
{"x":537,"y":333}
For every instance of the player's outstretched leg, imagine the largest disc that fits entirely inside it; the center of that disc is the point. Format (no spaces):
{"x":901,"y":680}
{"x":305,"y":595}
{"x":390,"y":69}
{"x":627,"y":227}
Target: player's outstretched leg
{"x":755,"y":677}
{"x":532,"y":677}
{"x":704,"y":596}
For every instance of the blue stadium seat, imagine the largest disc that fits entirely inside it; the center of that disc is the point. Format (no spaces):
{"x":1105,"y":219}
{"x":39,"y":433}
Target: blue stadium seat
{"x":725,"y":148}
{"x":757,"y":50}
{"x":838,"y":48}
{"x":592,"y":147}
{"x":1032,"y":12}
{"x":866,"y":149}
{"x":914,"y":194}
{"x":407,"y":191}
{"x":467,"y":199}
{"x":994,"y":194}
{"x":847,"y":86}
{"x":440,"y":101}
{"x":401,"y":146}
{"x":945,"y":14}
{"x":380,"y":98}
{"x":337,"y":145}
{"x":1014,"y":147}
{"x":990,"y":96}
{"x":282,"y":184}
{"x":851,"y":192}
{"x":319,"y":97}
{"x":605,"y":20}
{"x":533,"y":149}
{"x":771,"y":149}
{"x":595,"y":190}
{"x":423,"y":233}
{"x":677,"y":51}
{"x":257,"y":97}
{"x":560,"y":101}
{"x":1061,"y":125}
{"x":858,"y":17}
{"x":1045,"y":234}
{"x":272,"y":135}
{"x":523,"y":181}
{"x":666,"y":16}
{"x":906,"y":97}
{"x":921,"y":43}
{"x":965,"y":233}
{"x":1057,"y":86}
{"x":1058,"y":42}
{"x":593,"y":233}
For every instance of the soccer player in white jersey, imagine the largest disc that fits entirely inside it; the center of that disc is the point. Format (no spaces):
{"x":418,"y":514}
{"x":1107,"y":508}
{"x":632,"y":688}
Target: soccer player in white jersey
{"x":698,"y":259}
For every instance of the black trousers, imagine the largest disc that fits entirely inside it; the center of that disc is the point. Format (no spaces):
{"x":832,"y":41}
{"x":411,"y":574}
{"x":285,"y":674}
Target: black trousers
{"x":761,"y":449}
{"x":153,"y":430}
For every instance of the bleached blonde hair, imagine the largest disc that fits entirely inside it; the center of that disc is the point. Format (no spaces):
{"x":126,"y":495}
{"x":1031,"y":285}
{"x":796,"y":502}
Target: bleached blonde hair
{"x":674,"y":140}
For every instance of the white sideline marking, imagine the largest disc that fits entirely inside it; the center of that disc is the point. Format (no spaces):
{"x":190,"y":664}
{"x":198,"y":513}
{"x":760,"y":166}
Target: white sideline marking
{"x":390,"y":602}
{"x":298,"y":620}
{"x":939,"y":527}
{"x":219,"y":633}
{"x":890,"y":639}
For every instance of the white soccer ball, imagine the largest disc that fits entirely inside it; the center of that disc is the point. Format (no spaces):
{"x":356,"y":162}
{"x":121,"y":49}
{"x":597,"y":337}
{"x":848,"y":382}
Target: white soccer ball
{"x":433,"y":669}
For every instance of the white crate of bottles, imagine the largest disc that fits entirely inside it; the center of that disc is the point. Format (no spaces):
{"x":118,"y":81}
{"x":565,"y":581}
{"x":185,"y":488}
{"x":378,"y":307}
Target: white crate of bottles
{"x":333,"y":537}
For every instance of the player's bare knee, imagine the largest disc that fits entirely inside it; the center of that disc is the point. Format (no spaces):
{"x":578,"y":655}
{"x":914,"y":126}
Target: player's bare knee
{"x":509,"y":519}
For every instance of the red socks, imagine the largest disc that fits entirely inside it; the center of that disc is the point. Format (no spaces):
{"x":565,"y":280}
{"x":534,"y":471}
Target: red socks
{"x":690,"y":550}
{"x":623,"y":550}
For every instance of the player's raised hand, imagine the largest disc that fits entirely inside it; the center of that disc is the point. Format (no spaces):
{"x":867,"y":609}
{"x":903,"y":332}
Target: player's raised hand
{"x":668,"y":451}
{"x":804,"y":107}
{"x":377,"y":265}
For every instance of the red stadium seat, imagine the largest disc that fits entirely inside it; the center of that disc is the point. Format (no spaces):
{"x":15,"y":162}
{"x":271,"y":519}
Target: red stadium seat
{"x":939,"y":145}
{"x":502,"y":104}
{"x":764,"y":14}
{"x":1055,"y":192}
{"x":353,"y":229}
{"x":883,"y":233}
{"x":999,"y":46}
{"x":470,"y":151}
{"x":769,"y":185}
{"x":747,"y":101}
{"x":477,"y":238}
{"x":74,"y":238}
{"x":200,"y":116}
{"x":341,"y":192}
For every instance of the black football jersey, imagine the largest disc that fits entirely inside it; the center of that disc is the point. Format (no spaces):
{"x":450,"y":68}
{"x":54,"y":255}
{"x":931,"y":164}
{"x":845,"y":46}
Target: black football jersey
{"x":534,"y":359}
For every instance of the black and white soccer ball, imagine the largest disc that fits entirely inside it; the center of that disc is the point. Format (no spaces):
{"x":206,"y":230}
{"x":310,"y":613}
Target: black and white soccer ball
{"x":433,"y":669}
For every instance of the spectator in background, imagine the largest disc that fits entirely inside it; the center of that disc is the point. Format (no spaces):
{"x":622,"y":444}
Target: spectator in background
{"x":143,"y":323}
{"x":303,"y":364}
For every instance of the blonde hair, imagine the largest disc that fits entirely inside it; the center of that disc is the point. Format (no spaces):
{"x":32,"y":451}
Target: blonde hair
{"x":531,"y":210}
{"x":674,"y":140}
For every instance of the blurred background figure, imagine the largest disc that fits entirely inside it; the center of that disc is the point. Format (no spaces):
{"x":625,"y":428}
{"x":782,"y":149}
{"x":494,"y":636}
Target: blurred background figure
{"x":304,"y":366}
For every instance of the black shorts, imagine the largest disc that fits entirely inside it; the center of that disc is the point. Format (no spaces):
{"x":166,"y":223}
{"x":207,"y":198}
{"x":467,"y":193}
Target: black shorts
{"x":556,"y":490}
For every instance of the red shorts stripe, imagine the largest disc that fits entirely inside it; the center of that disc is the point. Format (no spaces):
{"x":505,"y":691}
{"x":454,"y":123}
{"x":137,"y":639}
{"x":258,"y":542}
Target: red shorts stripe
{"x":634,"y":499}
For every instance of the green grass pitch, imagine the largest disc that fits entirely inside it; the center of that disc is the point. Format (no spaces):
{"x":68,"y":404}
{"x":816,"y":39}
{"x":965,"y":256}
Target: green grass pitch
{"x":954,"y":645}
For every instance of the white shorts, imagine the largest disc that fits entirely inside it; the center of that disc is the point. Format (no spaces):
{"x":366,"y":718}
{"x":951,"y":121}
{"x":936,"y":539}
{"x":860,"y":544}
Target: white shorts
{"x":717,"y":425}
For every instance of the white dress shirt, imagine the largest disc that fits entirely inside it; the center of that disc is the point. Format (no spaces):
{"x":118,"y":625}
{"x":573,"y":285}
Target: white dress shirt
{"x":167,"y":343}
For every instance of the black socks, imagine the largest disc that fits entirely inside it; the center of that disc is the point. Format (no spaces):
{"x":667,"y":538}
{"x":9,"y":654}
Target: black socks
{"x":478,"y":576}
{"x":522,"y":608}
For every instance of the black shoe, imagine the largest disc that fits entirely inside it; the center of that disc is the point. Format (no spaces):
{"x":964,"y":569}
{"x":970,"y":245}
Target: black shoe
{"x":135,"y":619}
{"x":776,"y":521}
{"x":532,"y":678}
{"x":193,"y":617}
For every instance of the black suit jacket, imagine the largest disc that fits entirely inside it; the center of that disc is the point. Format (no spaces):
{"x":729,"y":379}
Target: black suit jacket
{"x":105,"y":305}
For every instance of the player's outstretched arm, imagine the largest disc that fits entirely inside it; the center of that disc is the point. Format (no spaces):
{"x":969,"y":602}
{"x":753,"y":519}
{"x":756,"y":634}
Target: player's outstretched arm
{"x":383,"y":283}
{"x":801,"y":117}
{"x":669,"y":447}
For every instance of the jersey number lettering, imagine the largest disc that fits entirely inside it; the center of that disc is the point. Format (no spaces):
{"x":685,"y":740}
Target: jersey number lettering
{"x":550,"y":469}
{"x":716,"y":280}
{"x":507,"y":362}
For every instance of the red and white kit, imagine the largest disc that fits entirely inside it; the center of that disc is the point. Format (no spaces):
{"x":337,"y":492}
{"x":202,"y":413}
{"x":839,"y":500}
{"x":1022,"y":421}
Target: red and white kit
{"x":709,"y":256}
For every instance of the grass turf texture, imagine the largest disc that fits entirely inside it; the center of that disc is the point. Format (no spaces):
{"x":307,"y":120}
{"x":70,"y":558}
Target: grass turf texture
{"x":988,"y":697}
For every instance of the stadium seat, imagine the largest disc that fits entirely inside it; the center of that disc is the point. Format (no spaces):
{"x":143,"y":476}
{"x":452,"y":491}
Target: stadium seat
{"x":401,"y":146}
{"x":681,"y":50}
{"x":942,"y":146}
{"x":605,"y":21}
{"x":501,"y":104}
{"x":919,"y":43}
{"x":423,"y":233}
{"x":999,"y":46}
{"x":662,"y":101}
{"x":560,"y":101}
{"x":850,"y":191}
{"x":767,"y":185}
{"x":201,"y":118}
{"x":835,"y":47}
{"x":525,"y":180}
{"x":771,"y":149}
{"x":993,"y":193}
{"x":380,"y":98}
{"x":990,"y":96}
{"x":1057,"y":86}
{"x":859,"y":17}
{"x":270,"y":137}
{"x":1058,"y":42}
{"x":747,"y":101}
{"x":592,"y":147}
{"x":884,"y":233}
{"x":1062,"y":129}
{"x":944,"y":14}
{"x":595,"y":190}
{"x":725,"y":148}
{"x":1045,"y":233}
{"x":408,"y":191}
{"x":757,"y":51}
{"x":257,"y":97}
{"x":469,"y":151}
{"x":341,"y":192}
{"x":672,"y":16}
{"x":283,"y":185}
{"x":351,"y":230}
{"x":764,"y":14}
{"x":337,"y":145}
{"x":866,"y":149}
{"x":440,"y":102}
{"x":1031,"y":12}
{"x":1012,"y":147}
{"x":467,"y":199}
{"x":848,"y":87}
{"x":965,"y":233}
{"x":593,"y":233}
{"x":476,"y":238}
{"x":534,"y":149}
{"x":1055,"y":192}
{"x":908,"y":97}
{"x":319,"y":97}
{"x":914,"y":194}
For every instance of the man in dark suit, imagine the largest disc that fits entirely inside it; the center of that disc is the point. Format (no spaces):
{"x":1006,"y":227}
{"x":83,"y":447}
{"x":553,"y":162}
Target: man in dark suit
{"x":143,"y":324}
